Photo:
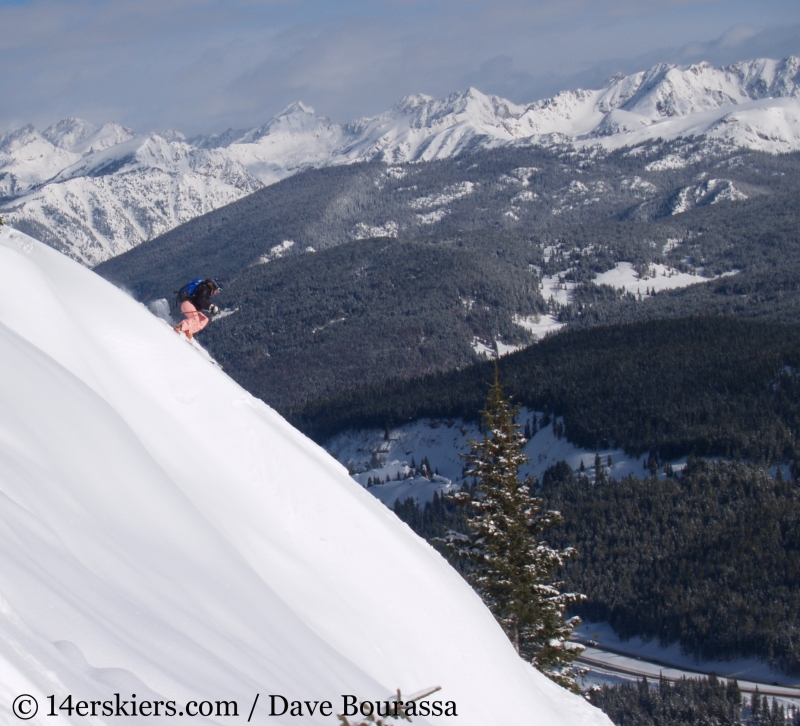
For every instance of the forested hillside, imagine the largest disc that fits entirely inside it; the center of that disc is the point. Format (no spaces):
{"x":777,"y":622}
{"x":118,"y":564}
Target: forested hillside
{"x":707,"y":386}
{"x":363,"y":311}
{"x":709,"y":559}
{"x":352,"y":275}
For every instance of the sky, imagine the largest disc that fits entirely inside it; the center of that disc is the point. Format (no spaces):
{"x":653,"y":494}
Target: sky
{"x":201,"y":66}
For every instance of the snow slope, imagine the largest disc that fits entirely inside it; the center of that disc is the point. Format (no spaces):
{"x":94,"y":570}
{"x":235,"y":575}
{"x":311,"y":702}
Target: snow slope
{"x":98,"y":192}
{"x":165,"y":534}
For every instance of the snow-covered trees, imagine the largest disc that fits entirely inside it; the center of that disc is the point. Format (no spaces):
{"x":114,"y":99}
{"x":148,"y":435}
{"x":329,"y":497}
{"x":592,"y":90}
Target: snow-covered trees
{"x":512,"y":568}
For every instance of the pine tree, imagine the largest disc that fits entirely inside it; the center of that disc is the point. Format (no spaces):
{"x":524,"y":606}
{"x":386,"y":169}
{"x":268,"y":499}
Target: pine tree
{"x":513,"y":569}
{"x":599,"y":472}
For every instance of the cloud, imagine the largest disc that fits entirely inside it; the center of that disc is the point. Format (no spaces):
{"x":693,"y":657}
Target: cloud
{"x":203,"y":65}
{"x":741,"y":42}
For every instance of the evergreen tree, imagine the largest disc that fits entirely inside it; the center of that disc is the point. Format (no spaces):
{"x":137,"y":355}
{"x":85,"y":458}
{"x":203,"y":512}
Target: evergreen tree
{"x":513,"y":569}
{"x":599,"y":472}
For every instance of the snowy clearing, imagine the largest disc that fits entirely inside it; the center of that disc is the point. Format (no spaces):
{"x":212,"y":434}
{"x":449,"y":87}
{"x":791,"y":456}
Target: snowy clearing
{"x":365,"y":231}
{"x":557,"y":289}
{"x":450,"y":194}
{"x":658,"y":278}
{"x":370,"y":455}
{"x":538,"y":325}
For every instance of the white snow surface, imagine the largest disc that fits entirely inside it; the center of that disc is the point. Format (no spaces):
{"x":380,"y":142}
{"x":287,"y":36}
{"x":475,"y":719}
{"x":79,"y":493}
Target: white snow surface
{"x":166,"y":534}
{"x":117,"y":196}
{"x":658,"y":277}
{"x":538,"y":325}
{"x":99,"y":192}
{"x":557,"y":288}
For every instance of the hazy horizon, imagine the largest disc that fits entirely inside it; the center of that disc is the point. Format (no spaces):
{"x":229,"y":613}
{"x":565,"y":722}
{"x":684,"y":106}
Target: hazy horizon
{"x":202,"y":66}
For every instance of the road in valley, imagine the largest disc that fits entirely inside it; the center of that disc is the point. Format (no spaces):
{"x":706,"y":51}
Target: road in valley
{"x":610,"y":661}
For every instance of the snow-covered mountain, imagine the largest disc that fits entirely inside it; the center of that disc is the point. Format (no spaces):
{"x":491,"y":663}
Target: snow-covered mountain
{"x":106,"y":190}
{"x":120,"y":190}
{"x":167,"y":537}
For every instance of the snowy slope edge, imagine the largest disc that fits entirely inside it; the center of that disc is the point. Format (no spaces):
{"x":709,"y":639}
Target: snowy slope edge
{"x":167,"y":535}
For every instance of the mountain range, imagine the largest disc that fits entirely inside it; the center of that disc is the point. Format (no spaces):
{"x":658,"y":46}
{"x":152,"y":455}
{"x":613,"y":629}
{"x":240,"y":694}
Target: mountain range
{"x":94,"y":193}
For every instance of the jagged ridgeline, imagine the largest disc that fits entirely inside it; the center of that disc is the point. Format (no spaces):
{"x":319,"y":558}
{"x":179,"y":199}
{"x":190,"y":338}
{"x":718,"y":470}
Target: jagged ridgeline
{"x":360,"y":273}
{"x":709,"y":386}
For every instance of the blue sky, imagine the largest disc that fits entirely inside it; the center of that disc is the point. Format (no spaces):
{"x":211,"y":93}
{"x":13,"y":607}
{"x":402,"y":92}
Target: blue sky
{"x":203,"y":65}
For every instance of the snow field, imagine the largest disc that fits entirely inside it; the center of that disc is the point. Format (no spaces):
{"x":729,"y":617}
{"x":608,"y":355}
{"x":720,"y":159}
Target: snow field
{"x":166,"y":534}
{"x":539,"y":325}
{"x":557,"y":289}
{"x":659,"y":277}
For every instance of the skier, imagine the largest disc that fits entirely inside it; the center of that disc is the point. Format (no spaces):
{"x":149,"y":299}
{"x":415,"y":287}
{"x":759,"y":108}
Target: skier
{"x":195,"y":303}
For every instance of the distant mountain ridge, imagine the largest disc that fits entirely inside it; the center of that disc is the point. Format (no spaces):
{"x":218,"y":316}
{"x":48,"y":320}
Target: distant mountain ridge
{"x":106,"y":190}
